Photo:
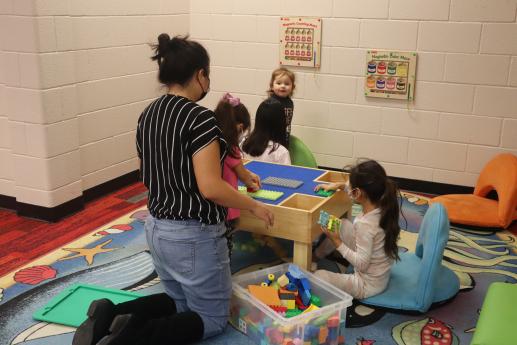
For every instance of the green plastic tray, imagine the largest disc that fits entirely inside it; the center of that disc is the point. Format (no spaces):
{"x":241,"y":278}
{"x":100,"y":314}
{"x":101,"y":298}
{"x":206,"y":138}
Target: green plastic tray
{"x":70,"y":306}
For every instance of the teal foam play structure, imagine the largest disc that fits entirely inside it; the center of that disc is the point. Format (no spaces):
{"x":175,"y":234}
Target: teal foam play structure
{"x":419,"y":279}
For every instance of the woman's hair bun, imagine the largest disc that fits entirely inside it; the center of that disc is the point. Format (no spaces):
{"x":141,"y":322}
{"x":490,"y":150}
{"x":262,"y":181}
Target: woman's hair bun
{"x":163,"y":43}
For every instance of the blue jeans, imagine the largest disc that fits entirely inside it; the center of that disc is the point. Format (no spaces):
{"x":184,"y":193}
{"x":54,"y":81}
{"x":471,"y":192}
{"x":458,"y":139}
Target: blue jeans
{"x":192,"y":262}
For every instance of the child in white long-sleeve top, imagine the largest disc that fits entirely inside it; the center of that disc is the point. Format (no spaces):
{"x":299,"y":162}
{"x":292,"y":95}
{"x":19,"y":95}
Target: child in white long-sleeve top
{"x":265,"y":141}
{"x":370,"y":243}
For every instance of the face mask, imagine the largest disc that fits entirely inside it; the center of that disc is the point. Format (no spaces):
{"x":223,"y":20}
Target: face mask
{"x":350,"y":192}
{"x":242,"y":136}
{"x":203,"y":94}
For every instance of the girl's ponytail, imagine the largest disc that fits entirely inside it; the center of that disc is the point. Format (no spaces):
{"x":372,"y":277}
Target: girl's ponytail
{"x":390,"y":218}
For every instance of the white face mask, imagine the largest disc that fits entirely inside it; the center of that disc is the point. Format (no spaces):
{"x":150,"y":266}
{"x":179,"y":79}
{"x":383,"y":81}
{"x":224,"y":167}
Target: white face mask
{"x":242,"y":136}
{"x":350,"y":192}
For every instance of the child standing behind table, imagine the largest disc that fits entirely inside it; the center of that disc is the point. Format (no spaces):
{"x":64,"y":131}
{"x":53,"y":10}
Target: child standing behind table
{"x":233,"y":119}
{"x":281,"y":87}
{"x":265,"y":141}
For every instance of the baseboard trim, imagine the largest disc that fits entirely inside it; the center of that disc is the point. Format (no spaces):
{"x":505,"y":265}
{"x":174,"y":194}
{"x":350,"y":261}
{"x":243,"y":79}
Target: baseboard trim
{"x":8,"y":202}
{"x":50,"y":214}
{"x":427,"y":187}
{"x":56,"y":213}
{"x":111,"y":185}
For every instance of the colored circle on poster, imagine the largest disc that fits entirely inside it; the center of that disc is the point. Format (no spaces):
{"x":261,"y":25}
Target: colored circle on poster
{"x":402,"y":69}
{"x":381,"y":83}
{"x":392,"y":68}
{"x":372,"y":66}
{"x":401,"y":84}
{"x":370,"y":82}
{"x":390,"y":83}
{"x":381,"y":67}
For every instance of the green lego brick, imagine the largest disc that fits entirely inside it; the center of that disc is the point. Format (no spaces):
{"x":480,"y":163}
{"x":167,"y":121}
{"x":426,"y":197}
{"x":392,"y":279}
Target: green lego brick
{"x":316,"y":301}
{"x":262,"y":193}
{"x":325,"y":193}
{"x":292,"y":313}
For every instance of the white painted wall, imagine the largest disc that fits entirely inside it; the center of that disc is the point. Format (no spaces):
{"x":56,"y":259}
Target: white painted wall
{"x":75,"y":75}
{"x":465,"y":110}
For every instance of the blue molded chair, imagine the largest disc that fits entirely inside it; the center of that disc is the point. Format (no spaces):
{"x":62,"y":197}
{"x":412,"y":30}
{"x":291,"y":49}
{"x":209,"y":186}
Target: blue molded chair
{"x":300,"y":154}
{"x":419,"y":279}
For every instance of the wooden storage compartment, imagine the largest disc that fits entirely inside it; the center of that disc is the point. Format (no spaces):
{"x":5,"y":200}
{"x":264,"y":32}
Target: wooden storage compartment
{"x":302,"y":202}
{"x":333,"y":176}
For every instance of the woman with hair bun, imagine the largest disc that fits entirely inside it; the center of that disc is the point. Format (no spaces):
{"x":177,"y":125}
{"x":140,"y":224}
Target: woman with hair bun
{"x":181,"y":151}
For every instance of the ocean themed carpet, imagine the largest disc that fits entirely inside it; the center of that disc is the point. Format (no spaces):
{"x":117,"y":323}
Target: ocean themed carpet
{"x":115,"y":256}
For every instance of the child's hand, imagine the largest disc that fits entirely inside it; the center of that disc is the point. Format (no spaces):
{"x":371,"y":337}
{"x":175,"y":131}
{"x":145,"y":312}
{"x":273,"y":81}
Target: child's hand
{"x":333,"y":235}
{"x":327,"y":187}
{"x":253,"y":181}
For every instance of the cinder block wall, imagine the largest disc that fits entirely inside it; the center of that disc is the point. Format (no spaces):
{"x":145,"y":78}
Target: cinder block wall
{"x":75,"y":76}
{"x":466,"y":94}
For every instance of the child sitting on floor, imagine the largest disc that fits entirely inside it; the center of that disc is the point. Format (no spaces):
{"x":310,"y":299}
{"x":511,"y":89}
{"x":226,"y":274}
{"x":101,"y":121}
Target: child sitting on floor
{"x":370,"y":243}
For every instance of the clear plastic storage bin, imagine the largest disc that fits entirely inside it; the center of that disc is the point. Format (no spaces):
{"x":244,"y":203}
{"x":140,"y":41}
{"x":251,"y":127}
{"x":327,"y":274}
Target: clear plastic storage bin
{"x":264,"y":326}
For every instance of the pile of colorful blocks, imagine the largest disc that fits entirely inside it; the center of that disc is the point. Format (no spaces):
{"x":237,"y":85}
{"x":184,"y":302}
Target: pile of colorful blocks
{"x":289,"y":295}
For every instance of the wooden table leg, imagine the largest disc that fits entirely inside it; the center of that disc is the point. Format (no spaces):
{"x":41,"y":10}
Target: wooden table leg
{"x":302,"y":255}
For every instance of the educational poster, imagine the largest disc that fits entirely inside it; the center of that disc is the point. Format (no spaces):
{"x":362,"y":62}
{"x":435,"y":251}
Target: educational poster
{"x":300,"y":41}
{"x":390,"y":74}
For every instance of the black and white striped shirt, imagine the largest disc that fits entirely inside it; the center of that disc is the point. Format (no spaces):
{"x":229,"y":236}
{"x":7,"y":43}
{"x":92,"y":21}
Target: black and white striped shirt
{"x":171,"y":130}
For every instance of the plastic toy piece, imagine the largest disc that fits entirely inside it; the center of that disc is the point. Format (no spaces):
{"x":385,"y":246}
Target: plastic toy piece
{"x":325,"y":193}
{"x":329,"y":221}
{"x":262,"y":193}
{"x":292,"y":313}
{"x":279,"y":308}
{"x":283,"y":280}
{"x":291,"y":287}
{"x":295,"y":272}
{"x":312,"y":307}
{"x":315,"y":300}
{"x":304,"y":288}
{"x":69,"y":307}
{"x":282,"y":182}
{"x":265,"y":294}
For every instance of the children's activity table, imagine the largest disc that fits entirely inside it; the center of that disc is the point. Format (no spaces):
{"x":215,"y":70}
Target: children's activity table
{"x":297,"y":210}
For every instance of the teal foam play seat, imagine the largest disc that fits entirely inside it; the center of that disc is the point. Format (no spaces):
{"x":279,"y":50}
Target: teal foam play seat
{"x":498,"y":317}
{"x":419,"y":279}
{"x":300,"y":153}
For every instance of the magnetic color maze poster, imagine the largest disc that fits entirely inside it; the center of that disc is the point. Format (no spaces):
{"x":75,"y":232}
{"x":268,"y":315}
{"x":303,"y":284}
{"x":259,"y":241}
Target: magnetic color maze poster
{"x":300,"y":41}
{"x":390,"y":74}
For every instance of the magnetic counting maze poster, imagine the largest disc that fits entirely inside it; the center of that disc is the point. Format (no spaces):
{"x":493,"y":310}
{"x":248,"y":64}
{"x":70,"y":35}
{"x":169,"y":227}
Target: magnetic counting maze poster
{"x":300,"y":41}
{"x":390,"y":74}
